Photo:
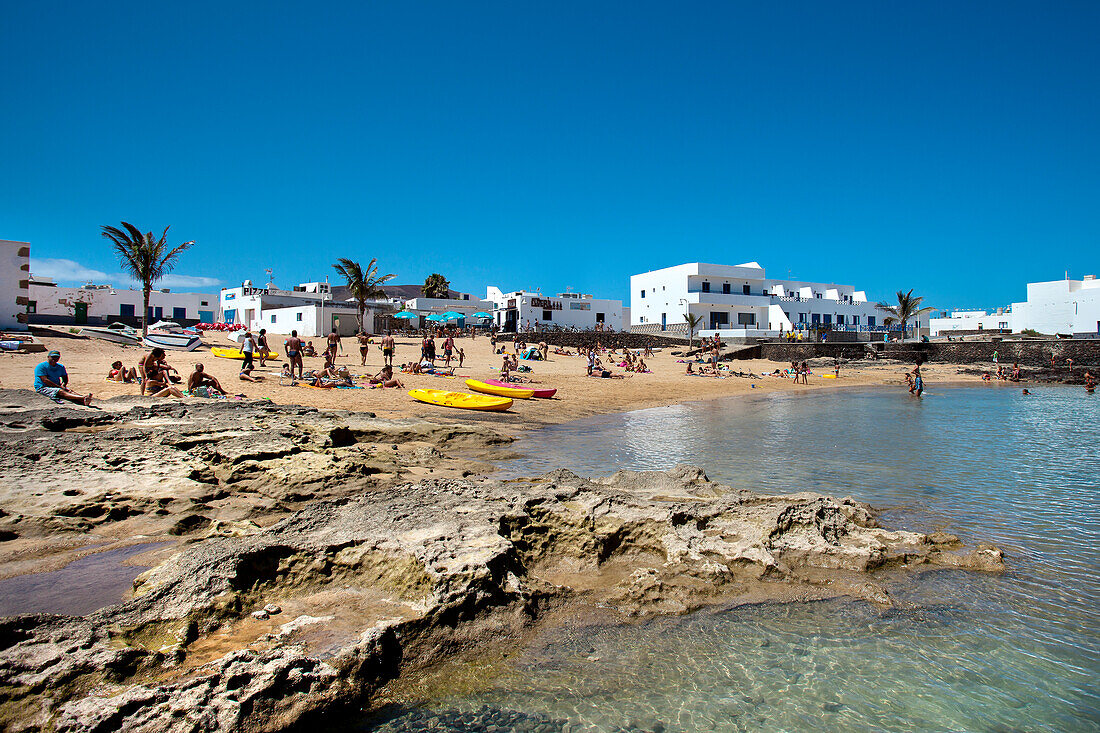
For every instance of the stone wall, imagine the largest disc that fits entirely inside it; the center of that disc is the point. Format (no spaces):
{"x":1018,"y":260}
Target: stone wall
{"x":607,"y":339}
{"x":1033,"y":353}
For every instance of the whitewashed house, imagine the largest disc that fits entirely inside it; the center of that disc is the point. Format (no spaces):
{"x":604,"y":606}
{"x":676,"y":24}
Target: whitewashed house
{"x":1066,"y":307}
{"x":740,"y":301}
{"x":525,"y":310}
{"x":14,"y":284}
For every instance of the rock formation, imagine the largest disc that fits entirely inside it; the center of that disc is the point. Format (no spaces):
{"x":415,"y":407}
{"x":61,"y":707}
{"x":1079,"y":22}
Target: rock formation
{"x":255,"y":624}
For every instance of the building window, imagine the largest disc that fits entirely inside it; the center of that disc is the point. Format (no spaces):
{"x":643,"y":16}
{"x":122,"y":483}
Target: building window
{"x":706,"y":286}
{"x":178,"y":314}
{"x":643,"y":293}
{"x":801,"y":317}
{"x":817,"y":295}
{"x":299,"y":317}
{"x":840,"y":320}
{"x":32,"y":306}
{"x":827,"y":318}
{"x":599,"y":318}
{"x":746,"y":319}
{"x":815,"y":318}
{"x":203,"y":302}
{"x":855,"y":320}
{"x":725,"y":288}
{"x":126,"y":310}
{"x":870,"y":321}
{"x":547,"y":315}
{"x":746,"y":289}
{"x":1003,"y":324}
{"x":273,"y":318}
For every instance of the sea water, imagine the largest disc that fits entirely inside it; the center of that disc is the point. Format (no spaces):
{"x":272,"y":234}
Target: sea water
{"x":959,"y":651}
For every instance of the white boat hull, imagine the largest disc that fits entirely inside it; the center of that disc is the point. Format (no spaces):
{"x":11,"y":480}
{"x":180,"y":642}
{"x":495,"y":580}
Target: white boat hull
{"x":107,"y":334}
{"x":174,"y":341}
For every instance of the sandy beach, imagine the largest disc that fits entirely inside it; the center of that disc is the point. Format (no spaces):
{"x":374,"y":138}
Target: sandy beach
{"x":88,"y":361}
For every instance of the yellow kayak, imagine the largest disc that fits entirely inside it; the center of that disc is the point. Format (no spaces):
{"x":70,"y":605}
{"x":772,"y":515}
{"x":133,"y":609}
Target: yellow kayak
{"x":514,"y":392}
{"x":463,"y":400}
{"x":226,"y":353}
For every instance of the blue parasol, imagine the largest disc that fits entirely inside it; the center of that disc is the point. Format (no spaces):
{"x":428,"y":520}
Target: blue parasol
{"x":405,"y":314}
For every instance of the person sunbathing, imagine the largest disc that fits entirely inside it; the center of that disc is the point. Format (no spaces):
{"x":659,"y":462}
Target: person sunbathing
{"x":199,"y":378}
{"x":689,"y":369}
{"x":155,"y":372}
{"x":120,"y":373}
{"x":308,"y":349}
{"x":385,"y":378}
{"x":246,"y":376}
{"x":606,"y":374}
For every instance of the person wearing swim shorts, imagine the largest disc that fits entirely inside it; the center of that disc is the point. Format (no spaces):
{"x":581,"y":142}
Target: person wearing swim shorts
{"x":52,"y":380}
{"x":293,"y":348}
{"x":387,"y":349}
{"x":261,"y":346}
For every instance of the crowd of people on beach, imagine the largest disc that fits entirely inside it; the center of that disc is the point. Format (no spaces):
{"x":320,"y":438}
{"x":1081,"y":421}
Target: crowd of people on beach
{"x":155,"y":377}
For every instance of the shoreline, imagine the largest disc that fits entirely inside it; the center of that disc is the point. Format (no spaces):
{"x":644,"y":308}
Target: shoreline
{"x":578,"y":396}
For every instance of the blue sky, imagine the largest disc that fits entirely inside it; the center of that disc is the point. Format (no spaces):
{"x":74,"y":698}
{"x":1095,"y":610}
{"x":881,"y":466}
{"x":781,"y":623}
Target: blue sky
{"x":949,"y":147}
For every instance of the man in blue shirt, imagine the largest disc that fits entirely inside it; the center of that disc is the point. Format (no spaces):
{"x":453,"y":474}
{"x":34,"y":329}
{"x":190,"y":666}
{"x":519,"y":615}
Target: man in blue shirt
{"x":51,"y":379}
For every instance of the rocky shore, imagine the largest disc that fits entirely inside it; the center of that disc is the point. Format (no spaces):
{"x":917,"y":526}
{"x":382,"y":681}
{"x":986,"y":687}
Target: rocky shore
{"x":318,"y":556}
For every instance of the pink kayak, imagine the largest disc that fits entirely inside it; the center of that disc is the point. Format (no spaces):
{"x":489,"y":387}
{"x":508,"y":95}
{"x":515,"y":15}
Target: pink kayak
{"x":539,"y":391}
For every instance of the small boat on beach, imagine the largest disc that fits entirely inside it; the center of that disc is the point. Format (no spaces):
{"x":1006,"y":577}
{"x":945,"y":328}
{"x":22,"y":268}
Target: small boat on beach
{"x":238,"y":354}
{"x":541,"y":392}
{"x":169,"y":335}
{"x":461,"y":400}
{"x":500,"y":388}
{"x":119,"y":333}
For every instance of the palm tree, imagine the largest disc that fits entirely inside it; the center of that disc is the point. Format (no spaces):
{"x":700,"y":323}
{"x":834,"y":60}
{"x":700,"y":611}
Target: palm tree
{"x":907,"y":309}
{"x":436,"y":286}
{"x":364,"y":283}
{"x":145,"y":258}
{"x":693,"y":323}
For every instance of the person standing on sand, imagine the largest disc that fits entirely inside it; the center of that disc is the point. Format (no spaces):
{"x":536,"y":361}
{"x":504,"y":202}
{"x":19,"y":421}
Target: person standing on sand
{"x":248,"y":346}
{"x":364,"y":347}
{"x":261,"y":346}
{"x":836,"y":367}
{"x":448,"y":349}
{"x":334,"y":343}
{"x":293,"y":348}
{"x":388,"y":348}
{"x":52,"y":380}
{"x":461,"y":357}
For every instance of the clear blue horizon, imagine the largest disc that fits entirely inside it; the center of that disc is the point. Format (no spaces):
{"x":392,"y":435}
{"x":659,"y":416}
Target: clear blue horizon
{"x":950,"y":148}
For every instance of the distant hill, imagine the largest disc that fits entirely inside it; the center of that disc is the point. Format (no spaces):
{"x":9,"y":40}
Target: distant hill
{"x":408,"y":292}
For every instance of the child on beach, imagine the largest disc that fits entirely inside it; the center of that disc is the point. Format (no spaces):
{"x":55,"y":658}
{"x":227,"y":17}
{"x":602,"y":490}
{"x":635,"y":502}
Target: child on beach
{"x":120,"y":373}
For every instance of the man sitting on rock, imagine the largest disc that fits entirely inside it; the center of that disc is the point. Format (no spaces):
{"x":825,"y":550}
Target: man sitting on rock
{"x":51,"y":379}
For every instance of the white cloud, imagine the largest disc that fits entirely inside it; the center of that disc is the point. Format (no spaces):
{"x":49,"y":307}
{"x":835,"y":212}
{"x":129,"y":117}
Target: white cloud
{"x":71,"y":272}
{"x":66,"y":271}
{"x":187,"y":281}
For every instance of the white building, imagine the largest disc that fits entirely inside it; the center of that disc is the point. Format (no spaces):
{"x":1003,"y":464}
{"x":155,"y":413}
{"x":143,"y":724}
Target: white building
{"x":1069,"y":307}
{"x":739,"y":301}
{"x":525,"y":310}
{"x":14,"y":283}
{"x":309,"y":308}
{"x":464,"y":304}
{"x":101,"y":304}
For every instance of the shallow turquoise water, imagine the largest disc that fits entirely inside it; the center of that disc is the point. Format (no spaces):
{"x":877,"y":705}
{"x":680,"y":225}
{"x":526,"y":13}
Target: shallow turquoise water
{"x":960,"y":651}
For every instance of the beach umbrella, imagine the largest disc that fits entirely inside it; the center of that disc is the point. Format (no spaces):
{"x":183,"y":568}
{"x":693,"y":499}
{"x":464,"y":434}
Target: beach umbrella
{"x":482,"y":314}
{"x":405,"y":314}
{"x":453,"y":315}
{"x":436,"y":317}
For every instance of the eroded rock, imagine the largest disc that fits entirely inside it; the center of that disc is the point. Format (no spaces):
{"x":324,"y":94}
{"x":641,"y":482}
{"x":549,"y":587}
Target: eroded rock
{"x":386,"y":583}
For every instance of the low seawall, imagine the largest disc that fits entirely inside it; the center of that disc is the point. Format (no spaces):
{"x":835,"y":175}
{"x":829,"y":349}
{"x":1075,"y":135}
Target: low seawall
{"x":607,"y":339}
{"x":1085,"y":353}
